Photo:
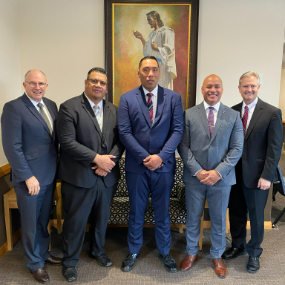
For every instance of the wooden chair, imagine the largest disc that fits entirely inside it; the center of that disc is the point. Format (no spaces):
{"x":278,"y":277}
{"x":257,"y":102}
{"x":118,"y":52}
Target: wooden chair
{"x":203,"y":224}
{"x":10,"y":202}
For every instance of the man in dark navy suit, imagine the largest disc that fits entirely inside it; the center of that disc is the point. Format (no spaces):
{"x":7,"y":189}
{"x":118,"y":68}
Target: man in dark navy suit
{"x":150,"y":122}
{"x":30,"y":145}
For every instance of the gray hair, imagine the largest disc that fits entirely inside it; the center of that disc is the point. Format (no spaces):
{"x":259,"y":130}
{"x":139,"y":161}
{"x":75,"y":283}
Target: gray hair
{"x":34,"y":70}
{"x":248,"y":74}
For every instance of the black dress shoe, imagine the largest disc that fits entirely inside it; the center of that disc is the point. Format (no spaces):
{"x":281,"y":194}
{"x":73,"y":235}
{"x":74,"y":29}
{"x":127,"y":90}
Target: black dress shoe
{"x":169,"y":262}
{"x":69,"y":273}
{"x":53,"y":260}
{"x":233,"y":252}
{"x":129,"y":262}
{"x":102,"y":260}
{"x":41,"y":275}
{"x":253,"y":264}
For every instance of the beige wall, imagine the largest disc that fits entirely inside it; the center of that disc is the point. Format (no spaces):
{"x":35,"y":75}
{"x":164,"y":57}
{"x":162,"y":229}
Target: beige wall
{"x":238,"y":36}
{"x":282,"y":94}
{"x":66,"y":38}
{"x":10,"y":78}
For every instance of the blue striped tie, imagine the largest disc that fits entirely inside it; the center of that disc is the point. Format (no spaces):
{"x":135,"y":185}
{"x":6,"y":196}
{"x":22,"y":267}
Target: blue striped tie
{"x":97,"y":115}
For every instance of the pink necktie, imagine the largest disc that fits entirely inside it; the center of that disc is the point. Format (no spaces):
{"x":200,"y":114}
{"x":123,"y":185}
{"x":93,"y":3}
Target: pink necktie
{"x":150,"y":106}
{"x":211,"y":120}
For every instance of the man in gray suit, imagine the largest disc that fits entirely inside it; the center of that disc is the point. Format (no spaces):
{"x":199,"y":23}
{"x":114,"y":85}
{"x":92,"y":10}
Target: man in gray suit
{"x":210,"y":148}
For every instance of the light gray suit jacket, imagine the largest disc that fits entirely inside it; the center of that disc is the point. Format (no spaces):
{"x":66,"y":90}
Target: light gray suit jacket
{"x":220,"y":152}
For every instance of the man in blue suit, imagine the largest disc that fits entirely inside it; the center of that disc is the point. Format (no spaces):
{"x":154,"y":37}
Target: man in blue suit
{"x":210,"y":148}
{"x":30,"y":145}
{"x":150,"y":122}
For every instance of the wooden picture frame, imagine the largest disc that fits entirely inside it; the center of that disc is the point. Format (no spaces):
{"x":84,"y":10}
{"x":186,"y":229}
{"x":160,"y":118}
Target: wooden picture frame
{"x":123,"y":50}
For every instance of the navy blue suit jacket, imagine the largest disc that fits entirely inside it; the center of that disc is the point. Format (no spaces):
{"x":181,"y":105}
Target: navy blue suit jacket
{"x":141,"y":138}
{"x":28,"y":145}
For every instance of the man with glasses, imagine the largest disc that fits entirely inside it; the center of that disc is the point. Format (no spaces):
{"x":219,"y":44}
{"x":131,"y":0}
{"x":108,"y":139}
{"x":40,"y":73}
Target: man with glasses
{"x":30,"y":145}
{"x":90,"y":152}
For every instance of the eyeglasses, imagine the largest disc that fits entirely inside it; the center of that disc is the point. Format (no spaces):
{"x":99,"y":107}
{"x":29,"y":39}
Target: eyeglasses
{"x":34,"y":84}
{"x":95,"y":81}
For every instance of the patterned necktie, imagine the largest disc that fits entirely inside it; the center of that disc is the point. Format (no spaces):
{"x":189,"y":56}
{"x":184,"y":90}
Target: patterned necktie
{"x":97,"y":115}
{"x":211,"y":120}
{"x":150,"y":106}
{"x":44,"y":115}
{"x":244,"y":119}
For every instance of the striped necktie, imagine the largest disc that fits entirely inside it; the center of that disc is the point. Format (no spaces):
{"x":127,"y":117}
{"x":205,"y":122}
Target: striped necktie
{"x":244,"y":119}
{"x":211,"y":120}
{"x":44,"y":115}
{"x":97,"y":115}
{"x":150,"y":106}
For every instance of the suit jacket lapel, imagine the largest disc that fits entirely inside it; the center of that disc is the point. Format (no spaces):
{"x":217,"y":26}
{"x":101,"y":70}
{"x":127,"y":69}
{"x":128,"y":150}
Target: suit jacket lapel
{"x":142,"y":104}
{"x":52,"y":114}
{"x":220,"y":118}
{"x":35,"y":112}
{"x":87,"y":107}
{"x":106,"y":116}
{"x":160,"y":104}
{"x":255,"y":116}
{"x":203,"y":118}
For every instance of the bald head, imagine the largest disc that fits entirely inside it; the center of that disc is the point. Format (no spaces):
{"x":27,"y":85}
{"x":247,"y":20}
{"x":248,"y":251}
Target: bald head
{"x":34,"y":71}
{"x":212,"y":89}
{"x":35,"y":84}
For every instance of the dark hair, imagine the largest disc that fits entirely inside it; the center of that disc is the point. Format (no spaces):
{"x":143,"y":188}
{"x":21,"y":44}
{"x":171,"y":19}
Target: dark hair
{"x":97,"y":69}
{"x":156,"y":16}
{"x":148,"y":57}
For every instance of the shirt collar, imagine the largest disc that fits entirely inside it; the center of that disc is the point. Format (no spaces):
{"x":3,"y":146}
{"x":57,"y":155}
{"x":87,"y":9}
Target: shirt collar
{"x":216,"y":107}
{"x":92,"y":104}
{"x":35,"y":103}
{"x":251,"y":105}
{"x":154,"y":91}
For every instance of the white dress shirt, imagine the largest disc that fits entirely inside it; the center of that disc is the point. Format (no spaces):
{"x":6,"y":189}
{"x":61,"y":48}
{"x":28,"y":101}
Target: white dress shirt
{"x":153,"y":98}
{"x":215,"y":110}
{"x":44,"y":108}
{"x":100,"y":105}
{"x":251,"y":108}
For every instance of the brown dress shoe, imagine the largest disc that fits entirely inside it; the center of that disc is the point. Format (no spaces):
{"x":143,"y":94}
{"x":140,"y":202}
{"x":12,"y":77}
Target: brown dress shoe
{"x":41,"y":275}
{"x":220,"y":268}
{"x":53,"y":260}
{"x":187,"y":262}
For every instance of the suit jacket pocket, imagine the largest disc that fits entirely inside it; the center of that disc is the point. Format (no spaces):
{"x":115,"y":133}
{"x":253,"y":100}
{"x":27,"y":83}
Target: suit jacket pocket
{"x":31,"y":155}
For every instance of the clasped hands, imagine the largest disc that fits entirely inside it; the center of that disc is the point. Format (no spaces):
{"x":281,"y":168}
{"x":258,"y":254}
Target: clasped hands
{"x":104,"y":164}
{"x":152,"y":162}
{"x":210,"y":177}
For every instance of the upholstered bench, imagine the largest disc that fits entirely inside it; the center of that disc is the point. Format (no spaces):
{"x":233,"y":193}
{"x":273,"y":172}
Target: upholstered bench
{"x":120,"y":206}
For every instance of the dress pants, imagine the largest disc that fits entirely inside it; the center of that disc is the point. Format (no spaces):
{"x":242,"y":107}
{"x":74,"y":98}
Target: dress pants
{"x":79,"y":203}
{"x":139,"y":186}
{"x":35,"y":213}
{"x":253,"y":200}
{"x":218,"y":199}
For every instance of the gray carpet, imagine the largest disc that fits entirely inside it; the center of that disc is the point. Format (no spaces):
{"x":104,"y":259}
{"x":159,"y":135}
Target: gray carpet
{"x":149,"y":270}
